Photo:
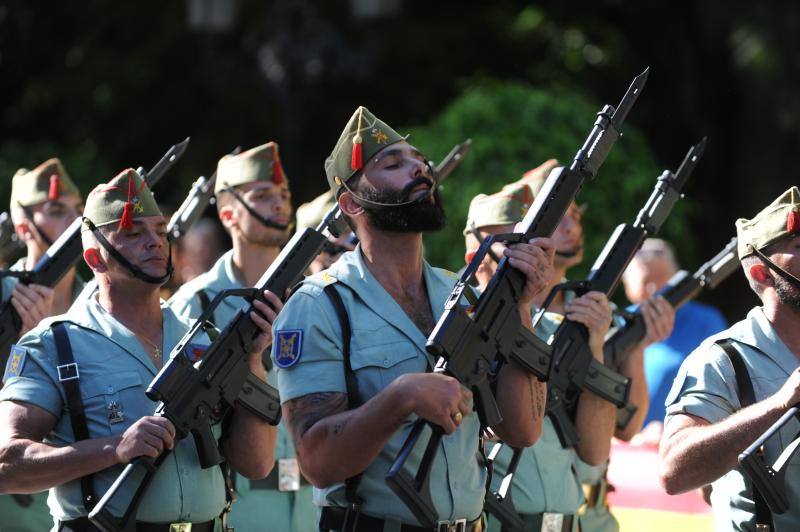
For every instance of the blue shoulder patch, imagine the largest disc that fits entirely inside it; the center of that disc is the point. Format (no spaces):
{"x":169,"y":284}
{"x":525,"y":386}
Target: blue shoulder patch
{"x":16,"y":361}
{"x":289,"y":348}
{"x":195,"y":352}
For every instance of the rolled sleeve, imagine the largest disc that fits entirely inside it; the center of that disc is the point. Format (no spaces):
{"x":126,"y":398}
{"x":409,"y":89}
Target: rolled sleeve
{"x":319,"y":366}
{"x":704,"y":386}
{"x":35,"y":382}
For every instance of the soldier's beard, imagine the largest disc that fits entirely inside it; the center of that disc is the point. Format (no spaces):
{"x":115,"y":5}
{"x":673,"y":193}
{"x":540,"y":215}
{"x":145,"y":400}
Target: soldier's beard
{"x":788,"y":294}
{"x":420,"y":216}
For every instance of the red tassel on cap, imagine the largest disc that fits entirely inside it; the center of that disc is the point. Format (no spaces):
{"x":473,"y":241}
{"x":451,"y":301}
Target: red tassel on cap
{"x":793,"y":222}
{"x":277,"y":171}
{"x":357,"y":157}
{"x":126,"y":222}
{"x":55,"y":187}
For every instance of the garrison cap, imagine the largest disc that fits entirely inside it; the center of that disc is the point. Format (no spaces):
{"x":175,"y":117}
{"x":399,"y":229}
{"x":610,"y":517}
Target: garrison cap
{"x":311,"y":214}
{"x":536,"y":178}
{"x":262,"y":163}
{"x":505,"y":207}
{"x":778,"y":220}
{"x":363,"y":137}
{"x":123,"y":199}
{"x":47,"y":182}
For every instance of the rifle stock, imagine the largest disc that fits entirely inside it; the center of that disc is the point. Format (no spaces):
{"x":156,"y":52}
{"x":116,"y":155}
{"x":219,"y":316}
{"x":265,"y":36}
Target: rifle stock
{"x":466,"y":341}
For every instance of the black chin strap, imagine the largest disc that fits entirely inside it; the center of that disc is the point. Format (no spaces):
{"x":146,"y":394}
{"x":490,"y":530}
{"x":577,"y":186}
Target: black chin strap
{"x":29,"y":216}
{"x":133,"y":269}
{"x":788,"y":277}
{"x":264,"y":221}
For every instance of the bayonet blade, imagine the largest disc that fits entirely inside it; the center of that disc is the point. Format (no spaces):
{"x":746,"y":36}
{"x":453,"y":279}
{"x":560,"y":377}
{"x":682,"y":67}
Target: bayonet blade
{"x":173,"y":154}
{"x":452,"y":160}
{"x":689,"y":163}
{"x":629,"y":99}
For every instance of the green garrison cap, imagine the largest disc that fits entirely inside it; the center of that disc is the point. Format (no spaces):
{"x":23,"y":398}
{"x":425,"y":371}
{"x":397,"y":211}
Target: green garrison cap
{"x":123,"y":199}
{"x":262,"y":163}
{"x":778,"y":220}
{"x":505,"y":207}
{"x":363,"y":137}
{"x":311,"y":214}
{"x":47,"y":182}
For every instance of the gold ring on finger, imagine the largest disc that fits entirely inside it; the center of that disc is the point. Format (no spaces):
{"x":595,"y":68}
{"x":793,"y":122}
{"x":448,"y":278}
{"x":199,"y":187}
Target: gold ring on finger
{"x":457,"y":417}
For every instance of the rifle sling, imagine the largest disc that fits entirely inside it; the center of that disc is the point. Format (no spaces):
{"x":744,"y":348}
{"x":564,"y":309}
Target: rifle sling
{"x":68,"y":375}
{"x":747,"y":397}
{"x":353,"y":398}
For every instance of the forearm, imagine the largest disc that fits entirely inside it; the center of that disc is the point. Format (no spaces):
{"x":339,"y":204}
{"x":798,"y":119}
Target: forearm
{"x":521,"y":399}
{"x":595,"y":421}
{"x":28,"y":466}
{"x":633,"y":368}
{"x":343,"y":444}
{"x":694,"y":456}
{"x":250,"y":444}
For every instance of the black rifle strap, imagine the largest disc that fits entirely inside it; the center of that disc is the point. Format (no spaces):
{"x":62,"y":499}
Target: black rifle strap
{"x":747,"y":397}
{"x":353,"y":398}
{"x":205,"y":302}
{"x":69,"y":377}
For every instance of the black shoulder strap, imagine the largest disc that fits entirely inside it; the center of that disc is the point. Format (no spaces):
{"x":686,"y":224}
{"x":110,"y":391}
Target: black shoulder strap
{"x":69,"y":377}
{"x":353,"y":397}
{"x":747,"y":397}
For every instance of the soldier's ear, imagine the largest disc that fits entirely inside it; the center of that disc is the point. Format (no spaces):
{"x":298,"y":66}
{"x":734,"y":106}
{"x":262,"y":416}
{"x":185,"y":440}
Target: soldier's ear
{"x":94,"y":260}
{"x":759,"y":273}
{"x":348,"y":205}
{"x":227,"y":215}
{"x":23,"y":231}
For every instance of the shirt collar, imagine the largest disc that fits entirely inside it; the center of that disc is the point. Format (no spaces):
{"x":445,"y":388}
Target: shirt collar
{"x":757,"y":331}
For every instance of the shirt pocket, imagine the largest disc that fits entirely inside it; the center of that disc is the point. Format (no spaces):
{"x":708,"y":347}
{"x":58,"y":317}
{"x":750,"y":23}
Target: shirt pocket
{"x":113,"y":402}
{"x":389,"y":356}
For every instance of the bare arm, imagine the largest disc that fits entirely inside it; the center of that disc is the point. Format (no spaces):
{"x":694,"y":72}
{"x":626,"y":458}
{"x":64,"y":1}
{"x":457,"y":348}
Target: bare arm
{"x":334,"y":443}
{"x":27,"y":465}
{"x":695,"y":452}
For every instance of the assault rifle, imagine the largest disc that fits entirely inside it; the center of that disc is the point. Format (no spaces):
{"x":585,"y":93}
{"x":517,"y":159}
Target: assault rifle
{"x":468,"y":339}
{"x":63,"y":254}
{"x":572,"y":367}
{"x":682,"y":287}
{"x":770,"y":479}
{"x":11,"y":247}
{"x":194,"y":395}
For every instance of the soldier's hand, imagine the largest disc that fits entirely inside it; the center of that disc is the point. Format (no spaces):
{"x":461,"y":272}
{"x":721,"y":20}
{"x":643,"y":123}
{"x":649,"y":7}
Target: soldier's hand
{"x":437,"y":398}
{"x":264,"y":316}
{"x":535,"y":260}
{"x":149,"y":436}
{"x":789,"y":394}
{"x":659,"y":318}
{"x":33,"y":303}
{"x":594,"y":311}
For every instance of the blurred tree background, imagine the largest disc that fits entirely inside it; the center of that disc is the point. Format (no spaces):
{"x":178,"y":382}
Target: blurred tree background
{"x":109,"y":85}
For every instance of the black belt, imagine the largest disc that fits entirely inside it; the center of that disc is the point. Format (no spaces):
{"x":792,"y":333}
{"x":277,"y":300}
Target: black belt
{"x":332,"y":519}
{"x":271,"y":482}
{"x":82,"y":524}
{"x":535,"y":521}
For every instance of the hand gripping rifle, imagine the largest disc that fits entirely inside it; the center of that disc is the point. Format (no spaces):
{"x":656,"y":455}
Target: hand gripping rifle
{"x":770,"y":479}
{"x":63,"y":254}
{"x":193,"y":396}
{"x":682,"y":287}
{"x":469,"y":339}
{"x":572,"y":367}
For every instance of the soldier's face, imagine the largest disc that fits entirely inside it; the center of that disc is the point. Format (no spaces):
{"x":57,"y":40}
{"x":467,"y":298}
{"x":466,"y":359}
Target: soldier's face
{"x":53,"y":217}
{"x":645,"y":278}
{"x":273,"y":202}
{"x":568,"y":238}
{"x":145,"y":245}
{"x":787,"y":256}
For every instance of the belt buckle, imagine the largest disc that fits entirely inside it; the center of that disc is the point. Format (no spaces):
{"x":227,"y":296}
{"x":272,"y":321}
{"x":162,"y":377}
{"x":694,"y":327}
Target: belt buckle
{"x":459,"y":525}
{"x":552,"y":522}
{"x":180,"y":527}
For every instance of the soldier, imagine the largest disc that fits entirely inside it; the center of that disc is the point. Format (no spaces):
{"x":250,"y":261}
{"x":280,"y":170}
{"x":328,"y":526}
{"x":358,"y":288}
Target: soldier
{"x":73,"y":409}
{"x":348,"y":399}
{"x":311,"y":214}
{"x":548,"y":480}
{"x":740,"y":381}
{"x":254,"y":205}
{"x":44,"y":202}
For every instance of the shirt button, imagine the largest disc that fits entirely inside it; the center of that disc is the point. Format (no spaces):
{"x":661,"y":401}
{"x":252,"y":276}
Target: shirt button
{"x":385,"y":362}
{"x":110,"y":388}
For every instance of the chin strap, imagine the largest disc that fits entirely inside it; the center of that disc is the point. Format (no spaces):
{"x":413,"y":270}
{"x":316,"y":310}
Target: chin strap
{"x":133,"y":269}
{"x":29,"y":216}
{"x":788,"y":277}
{"x":264,"y":221}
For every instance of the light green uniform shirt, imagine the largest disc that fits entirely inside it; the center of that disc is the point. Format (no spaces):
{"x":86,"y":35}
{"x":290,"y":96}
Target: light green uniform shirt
{"x":706,"y":387}
{"x":385,"y":345}
{"x":114,"y":372}
{"x":254,"y":509}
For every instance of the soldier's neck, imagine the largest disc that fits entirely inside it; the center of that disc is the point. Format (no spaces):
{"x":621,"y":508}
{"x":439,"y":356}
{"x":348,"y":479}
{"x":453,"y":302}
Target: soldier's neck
{"x":252,"y":260}
{"x":786,"y":321}
{"x":395,"y":259}
{"x":135,"y":304}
